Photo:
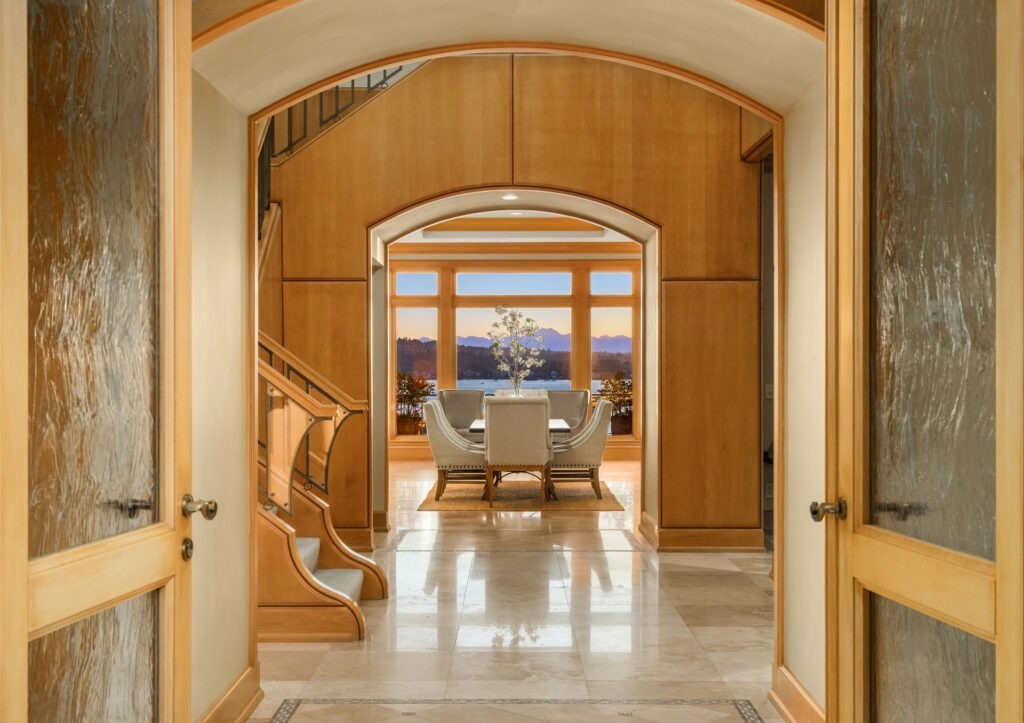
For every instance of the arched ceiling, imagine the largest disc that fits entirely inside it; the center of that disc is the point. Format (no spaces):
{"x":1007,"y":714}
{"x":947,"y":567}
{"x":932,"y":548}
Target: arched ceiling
{"x":726,"y":41}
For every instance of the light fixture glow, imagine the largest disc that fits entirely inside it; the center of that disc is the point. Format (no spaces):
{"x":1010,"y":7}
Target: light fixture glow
{"x":516,"y":213}
{"x":509,"y":197}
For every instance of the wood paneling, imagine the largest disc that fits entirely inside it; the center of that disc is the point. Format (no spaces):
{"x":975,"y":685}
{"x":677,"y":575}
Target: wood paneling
{"x":326,"y":325}
{"x":271,"y":312}
{"x":709,"y":405}
{"x":660,"y":147}
{"x":656,"y":145}
{"x":445,"y":129}
{"x":755,"y":136}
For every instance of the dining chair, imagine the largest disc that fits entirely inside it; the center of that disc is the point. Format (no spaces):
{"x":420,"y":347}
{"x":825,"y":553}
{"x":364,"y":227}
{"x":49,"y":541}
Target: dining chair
{"x":583,"y":452}
{"x":570,"y":405}
{"x":461,"y":407}
{"x":522,"y":392}
{"x":456,"y":458}
{"x":516,"y":439}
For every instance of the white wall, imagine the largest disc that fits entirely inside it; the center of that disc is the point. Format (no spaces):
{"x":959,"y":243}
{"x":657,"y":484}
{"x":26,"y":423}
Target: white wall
{"x":804,"y":464}
{"x":220,"y":568}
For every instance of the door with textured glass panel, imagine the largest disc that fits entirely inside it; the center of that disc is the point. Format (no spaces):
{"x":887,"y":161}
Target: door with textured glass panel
{"x":925,"y":366}
{"x":95,"y":375}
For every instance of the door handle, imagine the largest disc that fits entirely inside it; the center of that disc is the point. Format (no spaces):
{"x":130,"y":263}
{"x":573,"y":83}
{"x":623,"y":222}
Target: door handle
{"x":820,"y":509}
{"x":190,"y":505}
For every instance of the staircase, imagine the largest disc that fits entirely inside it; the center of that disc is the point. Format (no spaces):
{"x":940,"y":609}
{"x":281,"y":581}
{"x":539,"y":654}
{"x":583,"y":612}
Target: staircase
{"x":309,"y":582}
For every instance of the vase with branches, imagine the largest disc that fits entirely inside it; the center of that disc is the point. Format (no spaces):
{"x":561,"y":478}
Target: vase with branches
{"x":411,"y":391}
{"x":516,"y":345}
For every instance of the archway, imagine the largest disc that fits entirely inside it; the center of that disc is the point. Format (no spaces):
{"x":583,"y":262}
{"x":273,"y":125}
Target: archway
{"x":599,"y":211}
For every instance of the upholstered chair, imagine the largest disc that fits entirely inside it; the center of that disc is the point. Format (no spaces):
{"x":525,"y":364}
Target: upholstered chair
{"x":516,"y":439}
{"x":570,"y":405}
{"x":522,"y":392}
{"x":457,"y":459}
{"x":461,"y":407}
{"x":582,"y":453}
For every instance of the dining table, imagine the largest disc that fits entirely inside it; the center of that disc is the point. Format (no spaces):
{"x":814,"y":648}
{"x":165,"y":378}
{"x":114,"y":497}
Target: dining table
{"x":555,"y":426}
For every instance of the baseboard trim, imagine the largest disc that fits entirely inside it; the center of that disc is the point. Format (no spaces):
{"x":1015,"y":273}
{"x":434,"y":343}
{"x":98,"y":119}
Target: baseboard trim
{"x":792,"y":700}
{"x":399,"y":452}
{"x":239,"y":700}
{"x":380,"y":522}
{"x":701,"y":539}
{"x":358,"y":538}
{"x":649,"y":529}
{"x":623,"y":452}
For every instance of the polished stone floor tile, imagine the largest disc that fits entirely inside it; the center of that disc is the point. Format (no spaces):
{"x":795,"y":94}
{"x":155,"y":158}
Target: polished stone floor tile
{"x":525,"y":616}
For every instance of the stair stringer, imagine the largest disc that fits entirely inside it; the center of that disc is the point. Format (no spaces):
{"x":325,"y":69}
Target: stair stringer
{"x":292,"y":605}
{"x":311,"y":517}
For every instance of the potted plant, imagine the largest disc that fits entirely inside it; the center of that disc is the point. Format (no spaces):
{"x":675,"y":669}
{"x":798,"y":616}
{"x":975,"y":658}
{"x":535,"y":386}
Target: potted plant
{"x":515,"y":344}
{"x":411,"y":391}
{"x":619,"y":391}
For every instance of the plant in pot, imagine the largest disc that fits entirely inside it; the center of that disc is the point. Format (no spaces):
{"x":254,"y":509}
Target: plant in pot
{"x":619,"y":391}
{"x":411,"y":391}
{"x":515,"y":344}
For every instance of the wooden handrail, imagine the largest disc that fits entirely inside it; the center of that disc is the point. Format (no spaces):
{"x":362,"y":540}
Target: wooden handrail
{"x":314,"y":407}
{"x":354,"y":406}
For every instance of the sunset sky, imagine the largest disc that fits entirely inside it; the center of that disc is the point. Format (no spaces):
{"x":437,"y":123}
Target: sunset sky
{"x":417,"y":323}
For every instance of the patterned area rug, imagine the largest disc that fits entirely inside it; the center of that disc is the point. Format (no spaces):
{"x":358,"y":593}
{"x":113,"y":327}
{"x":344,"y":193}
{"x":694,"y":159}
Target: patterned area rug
{"x":679,"y":711}
{"x":521,"y":494}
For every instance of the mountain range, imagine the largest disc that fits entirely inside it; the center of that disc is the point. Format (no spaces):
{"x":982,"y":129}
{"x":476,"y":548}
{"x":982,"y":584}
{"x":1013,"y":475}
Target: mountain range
{"x":556,"y":341}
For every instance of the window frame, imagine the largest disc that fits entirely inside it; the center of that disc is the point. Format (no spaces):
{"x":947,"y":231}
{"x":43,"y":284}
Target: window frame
{"x":580,"y":301}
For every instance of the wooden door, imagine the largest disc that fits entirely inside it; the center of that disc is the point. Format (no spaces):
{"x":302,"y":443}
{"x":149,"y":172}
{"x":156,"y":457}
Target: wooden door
{"x":95,"y":374}
{"x":925,"y":363}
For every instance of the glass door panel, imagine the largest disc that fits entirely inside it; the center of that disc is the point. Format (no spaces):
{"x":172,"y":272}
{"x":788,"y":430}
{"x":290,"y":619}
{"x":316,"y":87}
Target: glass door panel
{"x":94,"y":242}
{"x":925,"y":670}
{"x":101,"y":668}
{"x":933,"y":275}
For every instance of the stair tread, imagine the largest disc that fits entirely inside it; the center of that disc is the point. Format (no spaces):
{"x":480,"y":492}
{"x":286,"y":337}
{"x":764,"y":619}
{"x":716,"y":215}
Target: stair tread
{"x":309,"y":551}
{"x":347,"y":582}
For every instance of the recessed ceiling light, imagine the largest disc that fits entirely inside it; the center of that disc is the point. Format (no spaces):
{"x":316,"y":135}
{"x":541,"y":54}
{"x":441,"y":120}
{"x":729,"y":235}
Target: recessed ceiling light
{"x":516,"y":213}
{"x":509,"y":197}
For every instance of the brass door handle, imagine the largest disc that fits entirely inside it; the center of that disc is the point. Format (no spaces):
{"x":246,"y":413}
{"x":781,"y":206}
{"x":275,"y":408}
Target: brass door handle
{"x":190,"y":505}
{"x":820,"y":509}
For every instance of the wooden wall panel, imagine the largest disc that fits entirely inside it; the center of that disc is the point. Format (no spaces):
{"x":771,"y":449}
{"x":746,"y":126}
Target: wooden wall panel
{"x":443,"y":128}
{"x":710,"y":415}
{"x":661,"y":147}
{"x":271,"y":312}
{"x":326,"y":325}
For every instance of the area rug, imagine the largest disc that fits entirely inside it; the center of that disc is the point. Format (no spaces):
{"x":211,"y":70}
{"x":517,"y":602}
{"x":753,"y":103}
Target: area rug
{"x":310,"y":710}
{"x":521,"y":494}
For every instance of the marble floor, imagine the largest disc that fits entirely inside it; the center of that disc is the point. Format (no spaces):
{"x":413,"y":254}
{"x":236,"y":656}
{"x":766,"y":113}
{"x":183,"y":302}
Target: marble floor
{"x":518,"y":616}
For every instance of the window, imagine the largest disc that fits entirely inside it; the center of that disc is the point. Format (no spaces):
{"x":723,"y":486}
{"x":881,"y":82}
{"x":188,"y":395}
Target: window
{"x":439,"y":335}
{"x":415,"y":366}
{"x":611,"y":361}
{"x":609,"y":283}
{"x":513,"y":284}
{"x":477,"y":368}
{"x":407,"y":284}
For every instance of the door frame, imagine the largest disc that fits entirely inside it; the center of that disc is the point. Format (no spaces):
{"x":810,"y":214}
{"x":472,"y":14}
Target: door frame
{"x":982,"y":597}
{"x":50,"y":592}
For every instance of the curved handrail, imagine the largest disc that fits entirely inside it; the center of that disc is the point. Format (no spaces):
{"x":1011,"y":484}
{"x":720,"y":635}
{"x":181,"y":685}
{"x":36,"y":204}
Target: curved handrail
{"x":315,"y":390}
{"x":312,"y":379}
{"x":290,"y":416}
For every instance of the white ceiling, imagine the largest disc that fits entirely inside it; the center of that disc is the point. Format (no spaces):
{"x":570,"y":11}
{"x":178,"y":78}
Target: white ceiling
{"x":491,"y":236}
{"x":723,"y":40}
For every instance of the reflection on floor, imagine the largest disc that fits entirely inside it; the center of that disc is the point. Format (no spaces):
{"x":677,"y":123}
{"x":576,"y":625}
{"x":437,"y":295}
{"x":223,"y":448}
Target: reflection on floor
{"x":538,"y":616}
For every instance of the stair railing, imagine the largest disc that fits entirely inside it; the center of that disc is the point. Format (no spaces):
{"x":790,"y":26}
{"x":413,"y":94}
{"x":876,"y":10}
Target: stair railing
{"x":342,"y":97}
{"x":290,"y":416}
{"x":312,"y":461}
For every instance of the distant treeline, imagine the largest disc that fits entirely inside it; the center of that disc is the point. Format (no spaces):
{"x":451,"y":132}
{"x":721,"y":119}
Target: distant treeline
{"x":477,"y":362}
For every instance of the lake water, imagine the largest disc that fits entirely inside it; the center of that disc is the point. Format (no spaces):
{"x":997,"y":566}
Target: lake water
{"x":490,"y":386}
